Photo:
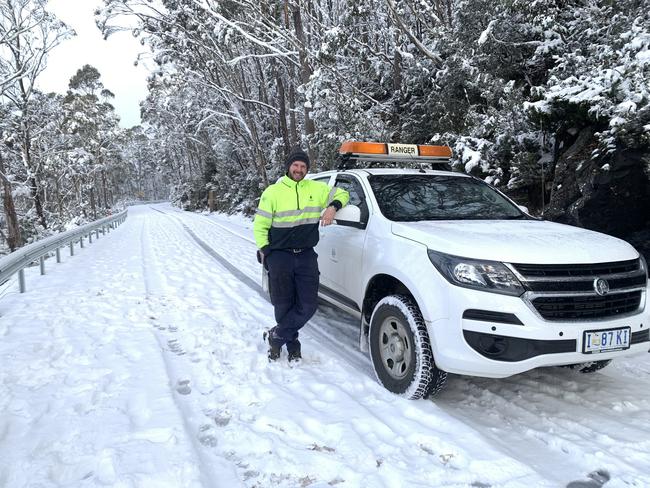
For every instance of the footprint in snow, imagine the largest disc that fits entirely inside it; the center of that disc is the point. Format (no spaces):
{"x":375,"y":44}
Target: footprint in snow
{"x":175,"y":347}
{"x":183,"y":387}
{"x":222,"y":419}
{"x":207,"y":436}
{"x":596,"y":480}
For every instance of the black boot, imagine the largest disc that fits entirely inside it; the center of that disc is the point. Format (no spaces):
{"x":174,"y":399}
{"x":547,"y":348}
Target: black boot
{"x":274,"y":347}
{"x":293,"y":348}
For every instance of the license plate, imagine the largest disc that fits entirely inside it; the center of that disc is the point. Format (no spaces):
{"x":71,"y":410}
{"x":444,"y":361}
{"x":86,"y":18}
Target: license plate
{"x":595,"y":341}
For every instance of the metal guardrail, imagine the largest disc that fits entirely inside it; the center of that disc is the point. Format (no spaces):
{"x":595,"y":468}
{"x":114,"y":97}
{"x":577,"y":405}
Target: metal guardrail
{"x":17,"y":261}
{"x":144,"y":202}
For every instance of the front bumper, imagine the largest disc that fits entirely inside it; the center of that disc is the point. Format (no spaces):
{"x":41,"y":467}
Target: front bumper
{"x":513,"y":338}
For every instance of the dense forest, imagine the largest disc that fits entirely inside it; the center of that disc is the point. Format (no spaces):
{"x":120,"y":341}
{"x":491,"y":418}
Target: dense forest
{"x":548,"y":100}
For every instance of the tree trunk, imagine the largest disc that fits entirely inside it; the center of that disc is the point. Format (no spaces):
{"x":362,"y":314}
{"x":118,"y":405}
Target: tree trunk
{"x":14,"y":239}
{"x":99,"y":195}
{"x":282,"y":108}
{"x":251,"y":122}
{"x":293,"y":126}
{"x":396,"y":134}
{"x":397,"y":69}
{"x":93,"y":208}
{"x":25,"y":149}
{"x":305,"y":74}
{"x":59,"y":198}
{"x":105,"y":190}
{"x":263,"y":94}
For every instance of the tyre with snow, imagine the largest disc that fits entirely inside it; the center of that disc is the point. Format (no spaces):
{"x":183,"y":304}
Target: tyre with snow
{"x":401,"y":351}
{"x":590,"y":367}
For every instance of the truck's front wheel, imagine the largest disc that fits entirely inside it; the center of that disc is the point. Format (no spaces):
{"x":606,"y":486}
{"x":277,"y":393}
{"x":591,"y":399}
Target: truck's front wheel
{"x":400,"y":349}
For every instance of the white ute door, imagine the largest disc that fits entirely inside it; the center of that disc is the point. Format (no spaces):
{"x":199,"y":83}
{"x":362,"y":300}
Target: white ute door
{"x":323,"y":246}
{"x":346,"y":242}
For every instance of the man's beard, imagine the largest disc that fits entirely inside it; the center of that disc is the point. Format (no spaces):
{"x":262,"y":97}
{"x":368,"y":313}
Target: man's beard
{"x":297,"y":175}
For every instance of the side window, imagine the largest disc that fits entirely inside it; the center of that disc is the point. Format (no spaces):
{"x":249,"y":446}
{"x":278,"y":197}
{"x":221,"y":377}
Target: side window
{"x":357,"y":195}
{"x":323,"y":179}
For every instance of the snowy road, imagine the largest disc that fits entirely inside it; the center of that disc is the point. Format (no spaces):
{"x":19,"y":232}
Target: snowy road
{"x":139,"y":363}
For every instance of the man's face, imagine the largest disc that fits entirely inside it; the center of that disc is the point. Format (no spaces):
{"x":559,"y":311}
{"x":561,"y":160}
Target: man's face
{"x":297,"y":170}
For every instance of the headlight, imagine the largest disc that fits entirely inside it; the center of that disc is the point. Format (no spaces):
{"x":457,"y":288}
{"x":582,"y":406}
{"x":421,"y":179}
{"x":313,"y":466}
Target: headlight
{"x":644,"y":265}
{"x":488,"y":276}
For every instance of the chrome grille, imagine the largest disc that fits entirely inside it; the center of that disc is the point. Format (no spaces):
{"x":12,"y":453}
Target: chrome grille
{"x":566,"y":292}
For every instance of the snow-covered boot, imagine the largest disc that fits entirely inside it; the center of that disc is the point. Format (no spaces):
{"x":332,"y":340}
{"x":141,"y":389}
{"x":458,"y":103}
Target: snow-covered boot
{"x":274,"y":346}
{"x":293,"y":348}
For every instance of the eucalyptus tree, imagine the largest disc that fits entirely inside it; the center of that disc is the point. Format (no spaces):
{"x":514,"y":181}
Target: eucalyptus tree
{"x":219,"y":48}
{"x":260,"y":74}
{"x":28,"y":32}
{"x":12,"y":236}
{"x":92,"y":123}
{"x":144,"y":157}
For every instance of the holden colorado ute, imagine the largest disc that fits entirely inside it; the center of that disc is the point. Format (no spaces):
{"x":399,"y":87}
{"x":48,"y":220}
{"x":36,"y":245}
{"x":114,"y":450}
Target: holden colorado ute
{"x":448,"y":275}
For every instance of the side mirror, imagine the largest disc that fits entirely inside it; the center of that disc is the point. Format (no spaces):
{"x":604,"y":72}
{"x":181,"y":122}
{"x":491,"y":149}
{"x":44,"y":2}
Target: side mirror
{"x":349,"y":213}
{"x":524,"y":209}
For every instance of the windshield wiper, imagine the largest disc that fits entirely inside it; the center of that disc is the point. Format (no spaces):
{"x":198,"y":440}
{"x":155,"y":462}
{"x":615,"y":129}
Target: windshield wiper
{"x":517,"y":217}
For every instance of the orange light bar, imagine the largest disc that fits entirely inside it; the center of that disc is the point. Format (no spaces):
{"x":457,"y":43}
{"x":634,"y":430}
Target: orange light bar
{"x":363,"y":148}
{"x":354,"y":147}
{"x":438,"y":151}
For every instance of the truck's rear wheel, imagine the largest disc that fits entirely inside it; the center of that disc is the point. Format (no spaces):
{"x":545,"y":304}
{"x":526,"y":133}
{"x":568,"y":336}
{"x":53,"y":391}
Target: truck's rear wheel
{"x":400,"y":349}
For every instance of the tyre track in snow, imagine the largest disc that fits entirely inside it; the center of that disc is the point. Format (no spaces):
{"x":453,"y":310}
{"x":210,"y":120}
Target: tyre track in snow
{"x":540,"y":418}
{"x":351,"y":354}
{"x":194,"y":240}
{"x":400,"y":436}
{"x":581,"y":423}
{"x":211,"y":470}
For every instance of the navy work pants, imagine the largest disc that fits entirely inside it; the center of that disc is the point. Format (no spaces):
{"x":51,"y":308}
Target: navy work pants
{"x":293,"y":286}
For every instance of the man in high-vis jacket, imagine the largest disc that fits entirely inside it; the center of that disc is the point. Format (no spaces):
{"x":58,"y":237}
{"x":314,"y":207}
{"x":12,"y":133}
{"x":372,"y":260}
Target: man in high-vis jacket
{"x":286,"y":231}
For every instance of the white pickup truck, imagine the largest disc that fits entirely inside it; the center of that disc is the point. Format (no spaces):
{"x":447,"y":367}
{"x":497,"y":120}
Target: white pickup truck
{"x":448,"y":275}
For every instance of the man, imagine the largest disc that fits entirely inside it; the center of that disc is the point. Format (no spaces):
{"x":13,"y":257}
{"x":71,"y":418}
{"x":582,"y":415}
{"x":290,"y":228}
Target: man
{"x":286,"y":231}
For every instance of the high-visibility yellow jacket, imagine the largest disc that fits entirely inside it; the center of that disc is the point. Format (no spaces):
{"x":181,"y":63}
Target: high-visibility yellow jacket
{"x":289,"y":213}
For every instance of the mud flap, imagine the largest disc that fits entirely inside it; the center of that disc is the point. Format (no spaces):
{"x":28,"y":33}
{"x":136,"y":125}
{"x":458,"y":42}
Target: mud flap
{"x":364,"y":330}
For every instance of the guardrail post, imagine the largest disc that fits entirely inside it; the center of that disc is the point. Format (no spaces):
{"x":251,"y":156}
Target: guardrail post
{"x":21,"y":281}
{"x":17,"y":264}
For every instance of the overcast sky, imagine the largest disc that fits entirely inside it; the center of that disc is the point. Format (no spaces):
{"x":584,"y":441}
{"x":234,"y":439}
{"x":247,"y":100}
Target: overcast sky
{"x":113,"y":58}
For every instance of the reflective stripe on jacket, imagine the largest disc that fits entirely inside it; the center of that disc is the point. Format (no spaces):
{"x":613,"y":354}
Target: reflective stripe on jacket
{"x":289,"y":213}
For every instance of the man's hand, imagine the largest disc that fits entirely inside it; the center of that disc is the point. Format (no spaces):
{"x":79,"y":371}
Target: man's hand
{"x":328,"y":216}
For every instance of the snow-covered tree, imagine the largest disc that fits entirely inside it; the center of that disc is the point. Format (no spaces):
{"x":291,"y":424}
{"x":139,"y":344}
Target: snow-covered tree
{"x":545,"y":99}
{"x":28,"y":32}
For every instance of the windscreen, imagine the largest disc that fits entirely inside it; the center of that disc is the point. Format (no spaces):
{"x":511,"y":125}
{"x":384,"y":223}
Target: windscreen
{"x":440,"y":197}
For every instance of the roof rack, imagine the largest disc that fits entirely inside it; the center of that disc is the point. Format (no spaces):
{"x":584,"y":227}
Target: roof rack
{"x":354,"y":154}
